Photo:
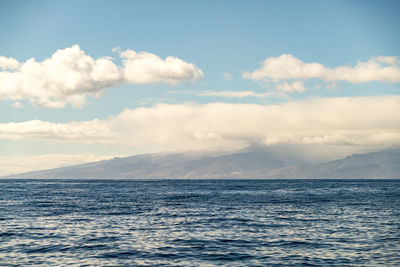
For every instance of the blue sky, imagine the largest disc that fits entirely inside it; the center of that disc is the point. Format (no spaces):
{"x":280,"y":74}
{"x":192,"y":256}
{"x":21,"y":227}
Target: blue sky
{"x":222,"y":39}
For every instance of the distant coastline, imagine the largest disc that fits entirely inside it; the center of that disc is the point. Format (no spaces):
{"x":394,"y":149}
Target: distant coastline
{"x":253,"y":164}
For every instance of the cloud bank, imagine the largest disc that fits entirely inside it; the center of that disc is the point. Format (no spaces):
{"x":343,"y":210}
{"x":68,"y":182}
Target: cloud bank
{"x":69,"y":75}
{"x":94,"y":131}
{"x":287,"y":67}
{"x":344,"y":121}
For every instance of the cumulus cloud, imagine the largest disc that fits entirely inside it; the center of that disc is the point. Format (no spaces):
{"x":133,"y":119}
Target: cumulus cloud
{"x":224,"y":126}
{"x":288,"y":67}
{"x":69,"y":75}
{"x":66,"y":77}
{"x":145,"y":67}
{"x":8,"y":63}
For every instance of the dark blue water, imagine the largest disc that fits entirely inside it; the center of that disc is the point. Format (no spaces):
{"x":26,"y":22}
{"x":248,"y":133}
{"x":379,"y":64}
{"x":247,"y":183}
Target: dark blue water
{"x":199,"y":223}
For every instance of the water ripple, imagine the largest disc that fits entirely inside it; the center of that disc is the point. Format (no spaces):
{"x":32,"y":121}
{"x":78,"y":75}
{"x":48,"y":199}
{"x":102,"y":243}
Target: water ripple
{"x":199,"y":223}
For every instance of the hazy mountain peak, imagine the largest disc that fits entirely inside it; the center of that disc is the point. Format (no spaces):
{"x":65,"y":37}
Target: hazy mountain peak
{"x":254,"y":162}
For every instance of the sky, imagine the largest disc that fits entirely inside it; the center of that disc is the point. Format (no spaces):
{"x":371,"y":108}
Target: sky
{"x":89,"y":80}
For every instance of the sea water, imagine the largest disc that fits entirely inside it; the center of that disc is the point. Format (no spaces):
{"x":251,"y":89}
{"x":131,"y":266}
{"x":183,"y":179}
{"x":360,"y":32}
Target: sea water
{"x":199,"y":222}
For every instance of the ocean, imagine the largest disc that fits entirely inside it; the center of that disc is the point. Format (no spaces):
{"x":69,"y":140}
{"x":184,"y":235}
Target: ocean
{"x":199,"y":222}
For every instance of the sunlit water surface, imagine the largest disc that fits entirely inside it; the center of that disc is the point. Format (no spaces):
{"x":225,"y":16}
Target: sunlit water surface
{"x":199,"y":223}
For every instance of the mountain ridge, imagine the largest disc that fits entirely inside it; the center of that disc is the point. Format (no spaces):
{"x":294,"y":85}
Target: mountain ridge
{"x":246,"y":164}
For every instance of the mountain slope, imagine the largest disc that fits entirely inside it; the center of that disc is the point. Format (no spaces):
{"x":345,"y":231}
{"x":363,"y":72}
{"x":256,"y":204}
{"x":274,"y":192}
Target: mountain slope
{"x":254,"y":163}
{"x":375,"y":165}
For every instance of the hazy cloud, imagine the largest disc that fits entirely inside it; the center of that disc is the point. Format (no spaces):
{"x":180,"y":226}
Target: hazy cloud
{"x":235,"y":94}
{"x":227,"y":76}
{"x":229,"y":94}
{"x":226,"y":126}
{"x":94,"y":131}
{"x":69,"y":75}
{"x":17,"y":104}
{"x":296,"y":86}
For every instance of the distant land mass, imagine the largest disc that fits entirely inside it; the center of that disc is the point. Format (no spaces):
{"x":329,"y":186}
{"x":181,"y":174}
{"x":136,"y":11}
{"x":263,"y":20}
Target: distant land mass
{"x":254,"y":163}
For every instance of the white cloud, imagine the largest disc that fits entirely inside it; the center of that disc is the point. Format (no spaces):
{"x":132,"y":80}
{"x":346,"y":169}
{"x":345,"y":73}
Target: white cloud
{"x":230,"y":94}
{"x":66,"y":77}
{"x":234,"y":94}
{"x":227,"y":76}
{"x":346,"y":121}
{"x":8,"y":63}
{"x":17,"y":104}
{"x":296,"y":86}
{"x":145,"y":67}
{"x":285,"y":67}
{"x":116,"y":49}
{"x":69,"y":75}
{"x":94,"y":131}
